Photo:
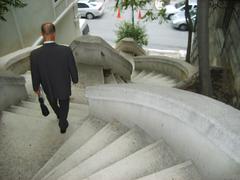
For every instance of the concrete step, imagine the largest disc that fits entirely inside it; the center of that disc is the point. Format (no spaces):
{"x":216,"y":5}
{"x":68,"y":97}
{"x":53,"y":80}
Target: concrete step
{"x":159,"y":79}
{"x":119,"y":79}
{"x":35,"y":104}
{"x":87,"y":130}
{"x":157,"y":76}
{"x":140,"y":75}
{"x":26,"y":144}
{"x":110,"y":79}
{"x":148,"y":160}
{"x":78,"y":95}
{"x":127,"y":144}
{"x":104,"y":137}
{"x":79,"y":110}
{"x":184,"y":171}
{"x":73,"y":118}
{"x":149,"y":75}
{"x":135,"y":73}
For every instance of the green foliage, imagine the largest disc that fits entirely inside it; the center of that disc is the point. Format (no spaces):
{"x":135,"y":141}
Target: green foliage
{"x":132,"y":3}
{"x":6,"y":4}
{"x":151,"y":15}
{"x":136,"y":32}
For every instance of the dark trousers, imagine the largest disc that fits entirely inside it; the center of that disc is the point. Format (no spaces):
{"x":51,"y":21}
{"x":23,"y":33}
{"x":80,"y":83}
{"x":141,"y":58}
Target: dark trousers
{"x":61,"y":108}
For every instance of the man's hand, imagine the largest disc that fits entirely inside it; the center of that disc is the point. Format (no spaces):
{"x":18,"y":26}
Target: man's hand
{"x":38,"y":92}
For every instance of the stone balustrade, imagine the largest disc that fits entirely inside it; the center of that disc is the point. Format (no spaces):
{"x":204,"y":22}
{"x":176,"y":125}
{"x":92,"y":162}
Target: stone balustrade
{"x":128,"y":45}
{"x":12,"y":89}
{"x":93,"y":50}
{"x":17,"y":62}
{"x":195,"y":126}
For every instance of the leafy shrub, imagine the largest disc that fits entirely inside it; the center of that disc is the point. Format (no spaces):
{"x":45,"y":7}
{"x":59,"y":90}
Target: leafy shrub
{"x":5,"y":5}
{"x":136,"y":32}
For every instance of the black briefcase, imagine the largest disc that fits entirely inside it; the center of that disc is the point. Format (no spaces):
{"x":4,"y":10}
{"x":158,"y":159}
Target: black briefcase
{"x":44,"y":109}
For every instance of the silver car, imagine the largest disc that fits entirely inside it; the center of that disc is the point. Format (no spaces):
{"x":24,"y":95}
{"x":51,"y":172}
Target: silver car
{"x":178,"y":21}
{"x":179,"y":7}
{"x":90,"y":10}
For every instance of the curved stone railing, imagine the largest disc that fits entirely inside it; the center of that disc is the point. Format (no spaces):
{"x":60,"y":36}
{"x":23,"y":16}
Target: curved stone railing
{"x":177,"y":69}
{"x":12,"y":89}
{"x":196,"y":127}
{"x":93,"y":50}
{"x":128,"y":45}
{"x":17,"y":62}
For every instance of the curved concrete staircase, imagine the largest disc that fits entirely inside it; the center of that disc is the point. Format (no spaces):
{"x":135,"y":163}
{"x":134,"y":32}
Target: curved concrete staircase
{"x":116,"y":132}
{"x":91,"y":149}
{"x":112,"y":151}
{"x":153,"y":77}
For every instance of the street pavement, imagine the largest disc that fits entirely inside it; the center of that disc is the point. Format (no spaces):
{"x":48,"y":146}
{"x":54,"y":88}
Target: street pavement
{"x":161,"y":36}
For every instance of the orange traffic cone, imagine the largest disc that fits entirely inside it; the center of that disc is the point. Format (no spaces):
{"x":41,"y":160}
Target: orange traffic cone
{"x":118,"y":13}
{"x":139,"y":15}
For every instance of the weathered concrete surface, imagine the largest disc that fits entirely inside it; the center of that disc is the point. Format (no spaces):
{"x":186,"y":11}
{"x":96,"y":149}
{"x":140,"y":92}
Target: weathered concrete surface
{"x":184,"y":171}
{"x":196,"y":127}
{"x":104,"y":137}
{"x":18,"y":61}
{"x":12,"y":89}
{"x":132,"y":141}
{"x":87,"y":130}
{"x":183,"y":72}
{"x":153,"y":158}
{"x":128,"y":45}
{"x":153,"y":78}
{"x":26,"y":143}
{"x":93,"y":50}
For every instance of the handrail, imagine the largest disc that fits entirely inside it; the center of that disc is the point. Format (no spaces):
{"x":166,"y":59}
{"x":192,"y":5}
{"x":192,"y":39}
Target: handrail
{"x":11,"y":59}
{"x":59,"y":18}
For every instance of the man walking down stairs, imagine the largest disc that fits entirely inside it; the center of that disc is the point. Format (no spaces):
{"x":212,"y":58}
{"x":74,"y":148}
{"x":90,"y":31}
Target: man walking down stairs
{"x":53,"y":67}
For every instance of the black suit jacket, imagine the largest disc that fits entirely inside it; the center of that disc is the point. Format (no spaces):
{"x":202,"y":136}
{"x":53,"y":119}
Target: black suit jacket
{"x":53,"y":66}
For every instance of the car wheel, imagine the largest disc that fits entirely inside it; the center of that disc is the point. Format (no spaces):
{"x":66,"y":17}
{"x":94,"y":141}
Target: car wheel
{"x":170,"y":16}
{"x":183,"y":27}
{"x":89,"y":16}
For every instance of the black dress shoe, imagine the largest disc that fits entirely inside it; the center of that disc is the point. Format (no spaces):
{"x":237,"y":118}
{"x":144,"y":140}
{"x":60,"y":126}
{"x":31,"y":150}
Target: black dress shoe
{"x":63,"y":130}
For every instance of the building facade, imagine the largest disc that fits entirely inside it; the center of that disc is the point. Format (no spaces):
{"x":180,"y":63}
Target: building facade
{"x":22,"y":28}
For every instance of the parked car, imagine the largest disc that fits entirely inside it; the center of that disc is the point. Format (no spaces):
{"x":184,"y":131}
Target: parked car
{"x":178,"y":20}
{"x":90,"y":10}
{"x":179,"y":7}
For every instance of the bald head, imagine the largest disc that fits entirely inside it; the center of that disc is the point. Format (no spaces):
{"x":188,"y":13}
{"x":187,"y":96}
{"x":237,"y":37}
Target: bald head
{"x":48,"y":31}
{"x":48,"y":28}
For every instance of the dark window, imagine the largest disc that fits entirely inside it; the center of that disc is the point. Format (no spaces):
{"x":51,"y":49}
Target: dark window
{"x":82,"y":5}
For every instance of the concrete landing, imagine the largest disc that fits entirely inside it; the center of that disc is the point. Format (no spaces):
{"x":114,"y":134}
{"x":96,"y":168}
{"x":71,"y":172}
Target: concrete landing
{"x":27,"y":143}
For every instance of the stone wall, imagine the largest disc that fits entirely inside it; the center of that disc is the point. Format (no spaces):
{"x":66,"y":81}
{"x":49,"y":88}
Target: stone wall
{"x":22,"y":28}
{"x":224,"y":36}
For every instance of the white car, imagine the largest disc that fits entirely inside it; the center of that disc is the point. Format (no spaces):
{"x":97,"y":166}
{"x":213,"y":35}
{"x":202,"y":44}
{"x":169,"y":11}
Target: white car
{"x":178,"y":20}
{"x":179,"y":7}
{"x":90,"y":10}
